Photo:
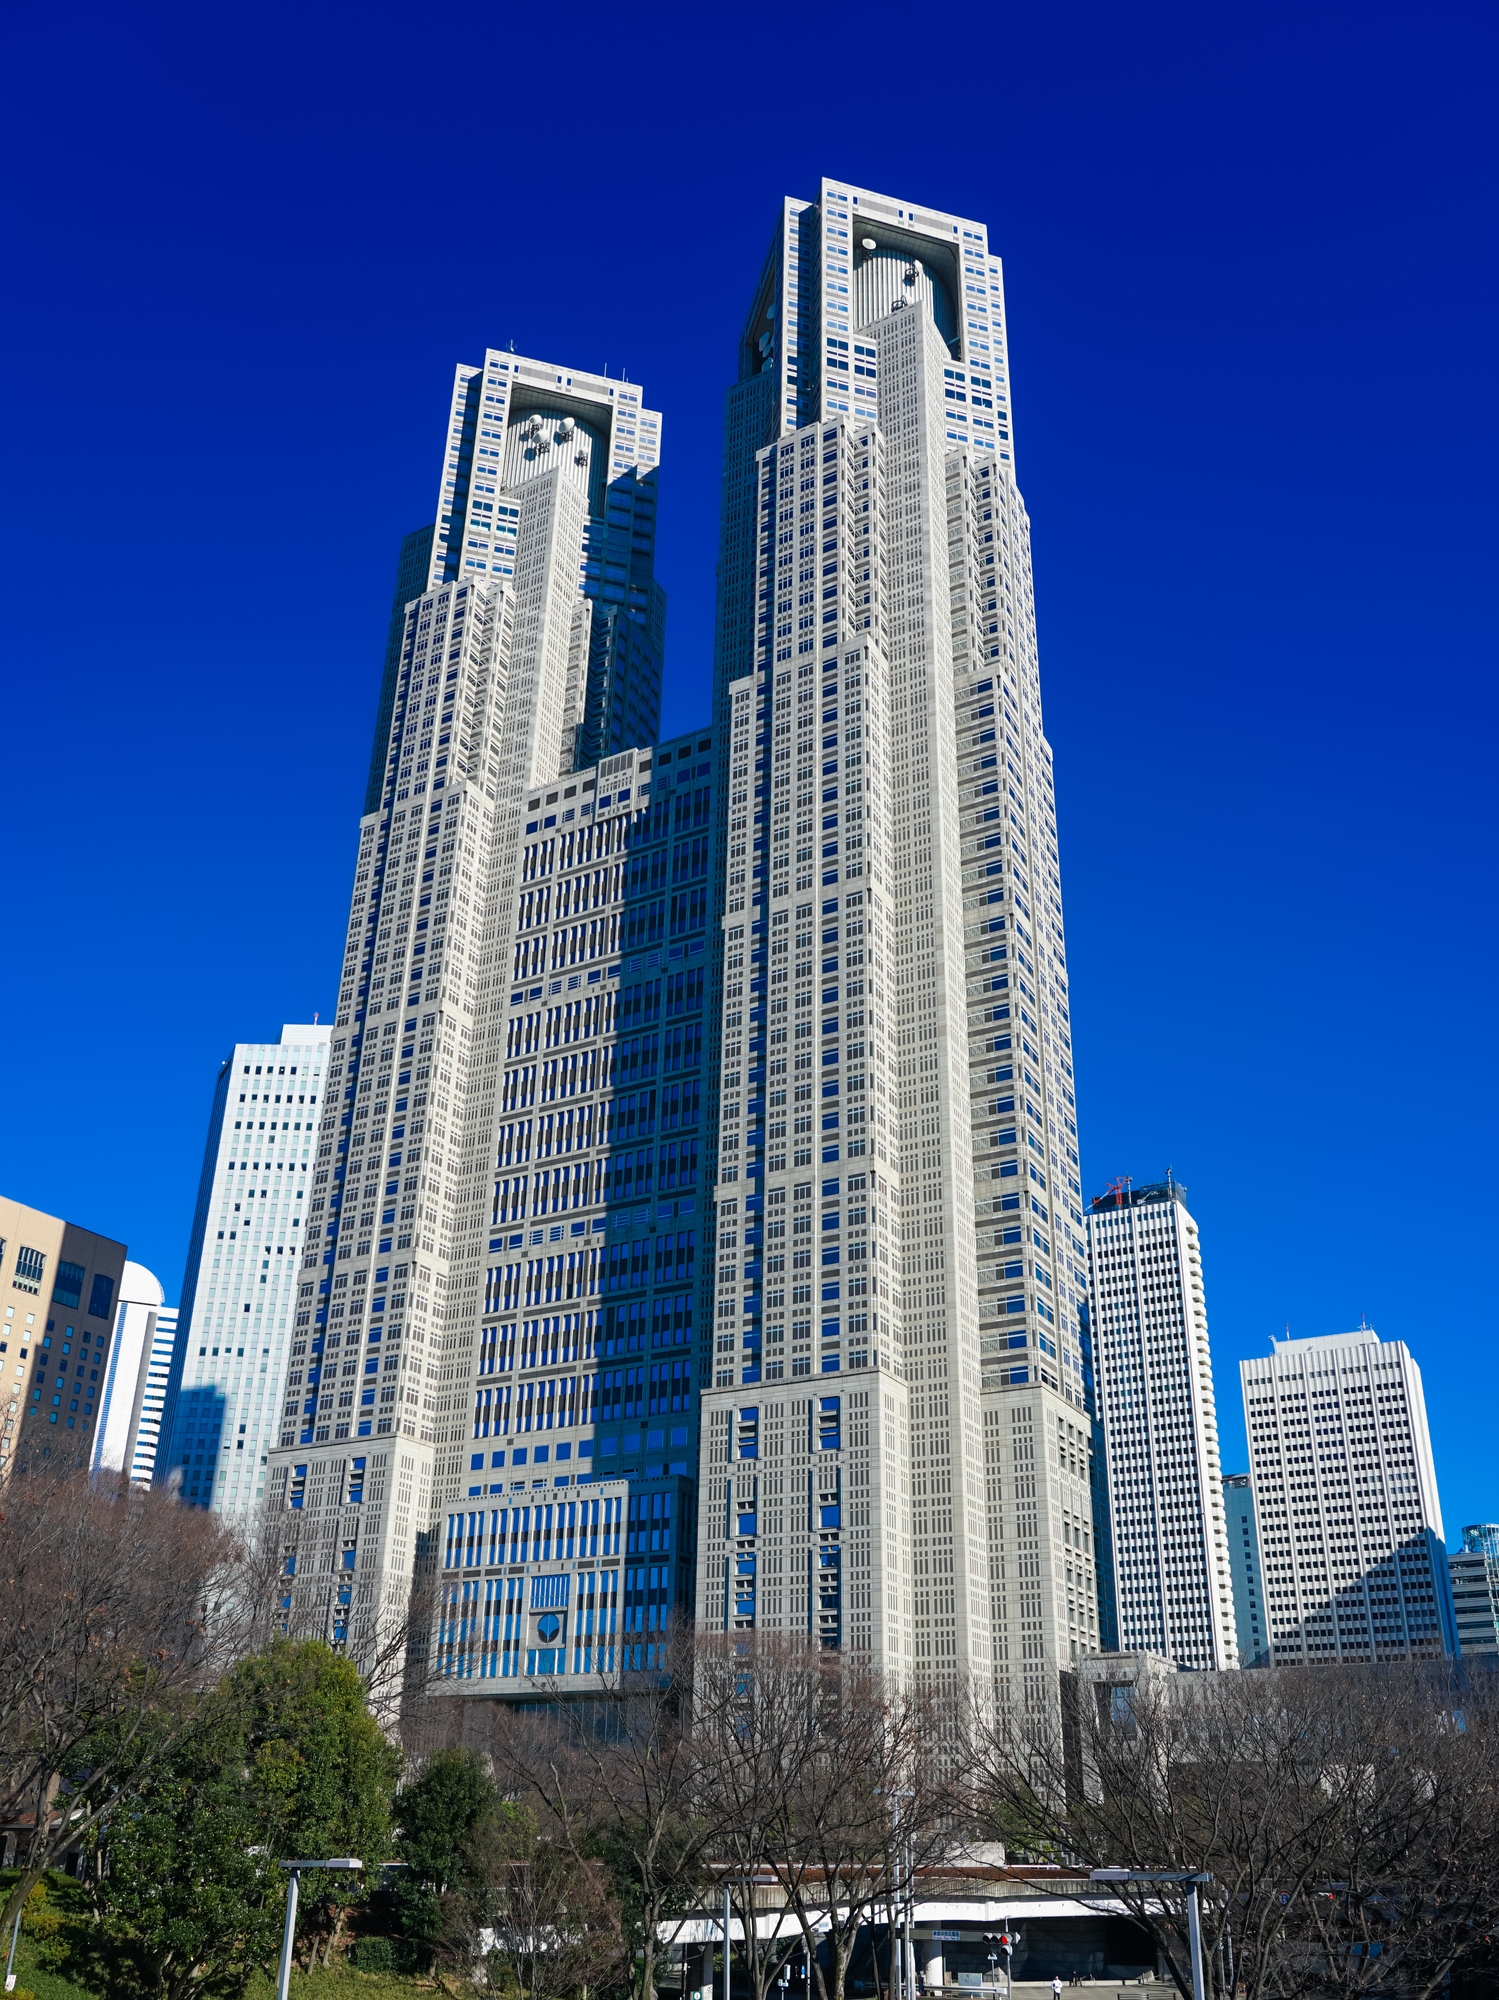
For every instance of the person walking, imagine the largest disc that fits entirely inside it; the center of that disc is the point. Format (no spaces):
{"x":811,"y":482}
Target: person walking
{"x":1056,"y":1986}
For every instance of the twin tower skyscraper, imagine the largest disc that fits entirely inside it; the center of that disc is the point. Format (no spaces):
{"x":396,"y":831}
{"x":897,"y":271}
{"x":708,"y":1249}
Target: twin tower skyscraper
{"x":695,"y":1232}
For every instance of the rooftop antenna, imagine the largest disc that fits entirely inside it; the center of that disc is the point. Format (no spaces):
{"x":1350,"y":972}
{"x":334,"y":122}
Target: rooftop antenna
{"x":314,"y":1019}
{"x":510,"y":347}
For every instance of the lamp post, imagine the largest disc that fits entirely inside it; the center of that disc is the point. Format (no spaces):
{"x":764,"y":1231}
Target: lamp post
{"x":347,"y":1864}
{"x":10,"y":1963}
{"x":1191,"y":1881}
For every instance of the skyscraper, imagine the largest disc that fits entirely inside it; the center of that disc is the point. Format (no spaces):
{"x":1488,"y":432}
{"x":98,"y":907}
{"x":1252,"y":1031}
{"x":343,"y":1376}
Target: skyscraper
{"x":1250,"y":1623}
{"x":1345,"y":1496}
{"x":158,"y":1364}
{"x":896,"y":1439}
{"x":1475,"y":1589}
{"x":514,"y":421}
{"x":500,"y":1318}
{"x":136,"y":1379}
{"x":413,"y":567}
{"x":1172,"y":1568}
{"x":1474,"y":1604}
{"x":219,"y":1413}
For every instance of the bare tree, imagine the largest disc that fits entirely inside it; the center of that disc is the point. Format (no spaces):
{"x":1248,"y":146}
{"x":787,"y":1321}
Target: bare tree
{"x":830,"y":1758}
{"x":1349,"y":1817}
{"x":286,"y":1588}
{"x":533,"y":1909}
{"x":748,"y":1733}
{"x":118,"y":1612}
{"x":614,"y":1777}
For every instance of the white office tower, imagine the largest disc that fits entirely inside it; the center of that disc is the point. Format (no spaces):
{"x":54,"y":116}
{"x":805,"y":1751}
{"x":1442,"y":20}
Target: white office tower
{"x":220,"y":1413}
{"x":412,"y":1341}
{"x":1474,"y":1603}
{"x":148,"y":1430}
{"x":1173,"y":1575}
{"x":1345,"y":1496}
{"x":896,"y":1437}
{"x":140,"y":1364}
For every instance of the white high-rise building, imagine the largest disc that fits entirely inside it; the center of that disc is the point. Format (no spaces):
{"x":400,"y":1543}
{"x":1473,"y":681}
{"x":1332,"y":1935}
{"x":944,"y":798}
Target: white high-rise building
{"x":1345,"y":1495}
{"x":158,"y":1376}
{"x":896,"y":1440}
{"x":498,"y":1322}
{"x":220,"y":1411}
{"x":140,"y":1363}
{"x":1173,"y":1574}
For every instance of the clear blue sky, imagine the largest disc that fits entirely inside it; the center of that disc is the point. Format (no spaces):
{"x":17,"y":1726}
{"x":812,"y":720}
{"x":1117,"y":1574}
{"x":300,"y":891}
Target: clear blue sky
{"x":1250,"y":264}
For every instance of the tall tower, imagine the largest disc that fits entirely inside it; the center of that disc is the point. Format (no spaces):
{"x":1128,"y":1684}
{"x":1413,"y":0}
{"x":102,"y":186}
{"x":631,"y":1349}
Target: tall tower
{"x":499,"y":1319}
{"x":140,"y":1367}
{"x":1250,"y":1624}
{"x":219,"y":1409}
{"x":516,"y":420}
{"x":1345,"y":1498}
{"x":1172,"y":1570}
{"x":897,"y":1436}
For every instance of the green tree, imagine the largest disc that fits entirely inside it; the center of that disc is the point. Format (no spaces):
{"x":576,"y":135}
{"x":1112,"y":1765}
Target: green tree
{"x":441,"y":1811}
{"x":191,"y":1892}
{"x":318,"y":1767}
{"x":286,"y":1763}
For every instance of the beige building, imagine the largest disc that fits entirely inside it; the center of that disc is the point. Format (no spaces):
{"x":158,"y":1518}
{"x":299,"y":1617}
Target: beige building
{"x":60,"y":1285}
{"x":895,"y":1437}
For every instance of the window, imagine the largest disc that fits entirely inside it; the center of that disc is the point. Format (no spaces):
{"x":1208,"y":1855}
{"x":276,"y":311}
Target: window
{"x":30,"y":1264}
{"x":749,"y":1433}
{"x":101,"y":1295}
{"x":68,"y":1290}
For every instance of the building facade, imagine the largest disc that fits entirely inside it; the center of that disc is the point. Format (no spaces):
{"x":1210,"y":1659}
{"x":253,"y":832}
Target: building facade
{"x":1345,"y":1497}
{"x":1244,"y":1566}
{"x":897,"y":1435}
{"x":1475,"y":1603}
{"x":56,"y":1329}
{"x":221,"y":1406}
{"x":500,"y":1326}
{"x":136,"y":1379}
{"x":1476,"y":1618}
{"x":1172,"y":1562}
{"x":154,"y":1397}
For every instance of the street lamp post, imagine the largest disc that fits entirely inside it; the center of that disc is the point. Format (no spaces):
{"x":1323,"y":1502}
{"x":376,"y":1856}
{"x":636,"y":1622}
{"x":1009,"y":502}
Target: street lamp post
{"x":344,"y":1862}
{"x":10,"y":1963}
{"x":1191,"y":1881}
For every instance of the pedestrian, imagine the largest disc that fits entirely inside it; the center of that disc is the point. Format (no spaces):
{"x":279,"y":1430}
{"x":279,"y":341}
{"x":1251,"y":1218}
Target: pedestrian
{"x":1056,"y":1986}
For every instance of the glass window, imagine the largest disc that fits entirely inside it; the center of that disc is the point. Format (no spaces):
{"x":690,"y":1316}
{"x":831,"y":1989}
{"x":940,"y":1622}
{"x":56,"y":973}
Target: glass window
{"x":68,"y":1290}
